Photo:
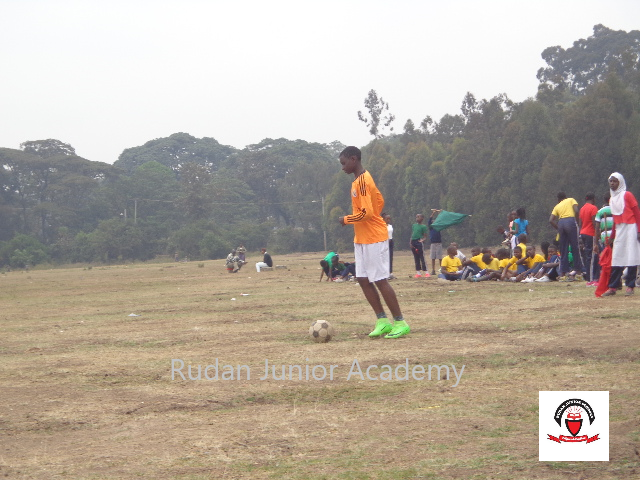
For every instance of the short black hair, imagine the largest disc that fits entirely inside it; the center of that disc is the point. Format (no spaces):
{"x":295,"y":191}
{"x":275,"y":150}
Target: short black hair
{"x":351,"y":152}
{"x":590,"y":196}
{"x":561,"y":196}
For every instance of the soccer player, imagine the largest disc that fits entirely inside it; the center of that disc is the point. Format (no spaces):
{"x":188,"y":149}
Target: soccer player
{"x":371,"y":246}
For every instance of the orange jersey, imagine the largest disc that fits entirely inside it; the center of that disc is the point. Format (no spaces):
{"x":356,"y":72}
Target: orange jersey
{"x":367,"y":203}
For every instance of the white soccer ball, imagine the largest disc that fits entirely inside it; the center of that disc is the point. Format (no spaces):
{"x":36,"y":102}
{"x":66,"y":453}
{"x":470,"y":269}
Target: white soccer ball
{"x":321,"y":331}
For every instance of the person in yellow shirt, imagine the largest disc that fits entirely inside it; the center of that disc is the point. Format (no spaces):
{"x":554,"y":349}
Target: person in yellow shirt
{"x":522,"y":242}
{"x":371,"y":246}
{"x":451,"y":266}
{"x":510,"y":269}
{"x":564,"y":219}
{"x":491,"y":262}
{"x":495,"y":265}
{"x":533,"y":263}
{"x":549,"y":270}
{"x":473,"y":265}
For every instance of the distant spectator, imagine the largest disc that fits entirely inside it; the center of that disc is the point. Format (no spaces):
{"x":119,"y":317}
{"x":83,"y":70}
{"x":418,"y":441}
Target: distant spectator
{"x":241,"y":251}
{"x":234,"y":264}
{"x":266,"y":260}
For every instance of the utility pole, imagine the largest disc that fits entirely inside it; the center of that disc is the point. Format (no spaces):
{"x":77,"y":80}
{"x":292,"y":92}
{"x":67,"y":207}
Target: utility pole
{"x":324,"y":232}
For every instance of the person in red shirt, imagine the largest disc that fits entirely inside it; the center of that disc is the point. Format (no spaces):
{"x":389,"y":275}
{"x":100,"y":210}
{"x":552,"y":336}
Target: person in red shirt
{"x":587,"y":231}
{"x":371,"y":246}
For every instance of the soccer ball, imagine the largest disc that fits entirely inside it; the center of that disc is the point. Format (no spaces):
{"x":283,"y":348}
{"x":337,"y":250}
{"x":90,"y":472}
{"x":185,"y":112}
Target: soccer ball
{"x":321,"y":331}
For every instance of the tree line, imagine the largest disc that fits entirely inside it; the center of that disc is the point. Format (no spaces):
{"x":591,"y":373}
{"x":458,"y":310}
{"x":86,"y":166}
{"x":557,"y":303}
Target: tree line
{"x":198,"y":198}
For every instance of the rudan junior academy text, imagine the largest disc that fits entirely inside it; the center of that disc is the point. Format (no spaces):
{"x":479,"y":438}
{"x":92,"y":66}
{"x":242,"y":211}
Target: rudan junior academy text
{"x":317,"y":372}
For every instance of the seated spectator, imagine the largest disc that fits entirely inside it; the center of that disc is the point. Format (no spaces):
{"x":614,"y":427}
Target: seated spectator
{"x":475,"y":264}
{"x":469,"y":264}
{"x":522,"y":243}
{"x":241,"y":251}
{"x":509,"y":271}
{"x":549,"y":271}
{"x":532,"y":263}
{"x":460,"y":255}
{"x":266,"y":260}
{"x":494,"y":266}
{"x":451,"y":267}
{"x":234,"y":264}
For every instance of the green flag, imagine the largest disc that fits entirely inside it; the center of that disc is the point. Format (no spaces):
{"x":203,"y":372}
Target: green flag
{"x":447,"y":219}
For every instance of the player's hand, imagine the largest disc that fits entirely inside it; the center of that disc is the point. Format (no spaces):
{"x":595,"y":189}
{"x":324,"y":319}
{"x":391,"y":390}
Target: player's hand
{"x":341,"y":220}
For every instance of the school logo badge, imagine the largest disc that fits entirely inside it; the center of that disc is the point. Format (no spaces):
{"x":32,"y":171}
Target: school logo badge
{"x":574,"y":413}
{"x":574,"y":407}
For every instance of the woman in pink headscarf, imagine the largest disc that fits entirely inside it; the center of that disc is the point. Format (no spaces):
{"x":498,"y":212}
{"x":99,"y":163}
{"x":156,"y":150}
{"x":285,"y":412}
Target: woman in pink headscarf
{"x":626,"y":244}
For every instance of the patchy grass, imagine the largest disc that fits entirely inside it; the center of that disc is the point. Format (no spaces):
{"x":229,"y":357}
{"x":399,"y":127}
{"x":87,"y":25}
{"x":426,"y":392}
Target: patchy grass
{"x":87,"y":389}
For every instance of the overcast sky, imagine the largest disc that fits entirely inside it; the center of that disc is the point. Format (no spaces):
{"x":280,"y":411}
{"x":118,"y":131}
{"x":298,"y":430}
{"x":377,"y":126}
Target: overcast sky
{"x":108,"y":75}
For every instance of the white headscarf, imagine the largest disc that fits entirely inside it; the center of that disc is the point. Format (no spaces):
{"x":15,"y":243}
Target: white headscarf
{"x":617,"y":196}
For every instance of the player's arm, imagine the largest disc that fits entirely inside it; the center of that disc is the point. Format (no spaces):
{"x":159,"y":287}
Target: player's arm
{"x":364,"y":210}
{"x":503,"y":275}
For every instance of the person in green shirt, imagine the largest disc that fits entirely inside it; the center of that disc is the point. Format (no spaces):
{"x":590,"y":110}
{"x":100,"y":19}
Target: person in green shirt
{"x":327,"y":263}
{"x":418,"y":235}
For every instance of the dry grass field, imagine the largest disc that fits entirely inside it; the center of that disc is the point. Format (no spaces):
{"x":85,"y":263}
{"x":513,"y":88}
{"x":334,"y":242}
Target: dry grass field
{"x":87,"y":390}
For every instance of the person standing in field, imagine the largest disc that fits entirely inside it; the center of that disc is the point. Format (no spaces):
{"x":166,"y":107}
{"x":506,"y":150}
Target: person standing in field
{"x":418,"y":236}
{"x":564,"y":219}
{"x":587,"y":217}
{"x":520,"y":223}
{"x":626,"y":240}
{"x":371,"y":246}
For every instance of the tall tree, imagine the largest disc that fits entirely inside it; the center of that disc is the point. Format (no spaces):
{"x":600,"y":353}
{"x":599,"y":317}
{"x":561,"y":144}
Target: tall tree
{"x":176,"y":150}
{"x":379,"y":117}
{"x":47,"y":148}
{"x":590,"y":60}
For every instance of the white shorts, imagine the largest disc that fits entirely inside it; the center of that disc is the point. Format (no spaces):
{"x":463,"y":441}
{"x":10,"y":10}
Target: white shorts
{"x":372,"y":260}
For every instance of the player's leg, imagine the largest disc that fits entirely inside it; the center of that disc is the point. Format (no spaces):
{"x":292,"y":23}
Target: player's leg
{"x":383,"y":325}
{"x":376,"y":269}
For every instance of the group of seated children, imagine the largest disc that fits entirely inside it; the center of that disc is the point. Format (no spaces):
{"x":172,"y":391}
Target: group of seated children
{"x":524,"y":266}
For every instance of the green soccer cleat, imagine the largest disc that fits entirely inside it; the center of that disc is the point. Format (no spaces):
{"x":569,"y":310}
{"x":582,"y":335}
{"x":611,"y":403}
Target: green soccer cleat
{"x":399,"y":329}
{"x":383,"y":325}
